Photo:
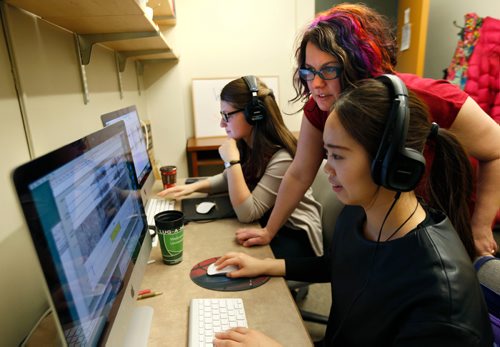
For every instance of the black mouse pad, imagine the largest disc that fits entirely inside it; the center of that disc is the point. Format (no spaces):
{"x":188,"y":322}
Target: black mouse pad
{"x":222,"y":208}
{"x":222,"y":283}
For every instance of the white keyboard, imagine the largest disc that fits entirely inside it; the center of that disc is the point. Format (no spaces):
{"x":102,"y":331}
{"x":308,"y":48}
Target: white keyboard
{"x":209,"y":316}
{"x":154,"y":206}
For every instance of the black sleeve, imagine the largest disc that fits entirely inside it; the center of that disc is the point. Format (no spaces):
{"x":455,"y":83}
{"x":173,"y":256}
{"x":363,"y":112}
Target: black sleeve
{"x":438,"y":334}
{"x":312,"y":269}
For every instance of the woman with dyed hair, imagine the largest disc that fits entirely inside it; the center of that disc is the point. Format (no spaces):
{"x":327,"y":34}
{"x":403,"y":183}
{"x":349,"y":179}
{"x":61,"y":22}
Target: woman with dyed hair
{"x":399,"y":273}
{"x":350,"y":42}
{"x":258,"y":151}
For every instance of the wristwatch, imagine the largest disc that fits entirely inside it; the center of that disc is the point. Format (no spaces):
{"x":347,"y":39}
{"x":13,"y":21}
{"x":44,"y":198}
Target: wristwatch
{"x":227,"y":164}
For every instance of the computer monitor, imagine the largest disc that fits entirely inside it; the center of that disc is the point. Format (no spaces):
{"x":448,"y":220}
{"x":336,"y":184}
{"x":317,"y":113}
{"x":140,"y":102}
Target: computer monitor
{"x":137,"y":140}
{"x":89,"y":230}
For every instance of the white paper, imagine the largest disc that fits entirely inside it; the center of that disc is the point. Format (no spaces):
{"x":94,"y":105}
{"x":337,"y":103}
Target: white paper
{"x":405,"y":37}
{"x":407,"y":16}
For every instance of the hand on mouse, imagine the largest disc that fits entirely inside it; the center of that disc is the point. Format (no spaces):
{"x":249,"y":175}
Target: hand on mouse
{"x":250,"y":266}
{"x":228,"y":151}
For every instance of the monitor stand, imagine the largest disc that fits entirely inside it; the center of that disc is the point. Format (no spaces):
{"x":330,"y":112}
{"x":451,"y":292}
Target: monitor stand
{"x":140,"y":324}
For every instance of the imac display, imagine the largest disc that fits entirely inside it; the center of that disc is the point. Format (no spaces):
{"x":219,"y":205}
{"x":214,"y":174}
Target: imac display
{"x":87,"y":223}
{"x":138,"y":146}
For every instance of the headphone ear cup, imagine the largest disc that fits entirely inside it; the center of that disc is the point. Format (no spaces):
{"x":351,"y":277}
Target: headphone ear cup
{"x":403,"y":171}
{"x":254,"y":112}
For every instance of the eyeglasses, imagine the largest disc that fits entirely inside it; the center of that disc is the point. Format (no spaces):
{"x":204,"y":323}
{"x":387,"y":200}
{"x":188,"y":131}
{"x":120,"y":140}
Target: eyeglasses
{"x":227,"y":115}
{"x":326,"y":73}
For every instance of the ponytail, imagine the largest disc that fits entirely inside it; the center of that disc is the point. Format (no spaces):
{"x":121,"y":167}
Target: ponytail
{"x":449,"y":186}
{"x":362,"y":111}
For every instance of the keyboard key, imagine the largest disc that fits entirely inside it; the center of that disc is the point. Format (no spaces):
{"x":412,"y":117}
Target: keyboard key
{"x":154,"y":206}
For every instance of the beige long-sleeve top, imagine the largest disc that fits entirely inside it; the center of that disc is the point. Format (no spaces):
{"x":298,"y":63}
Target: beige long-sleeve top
{"x":307,"y":215}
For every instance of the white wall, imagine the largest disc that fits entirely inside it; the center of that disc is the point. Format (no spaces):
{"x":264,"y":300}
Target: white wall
{"x":220,"y":38}
{"x":13,"y":259}
{"x":223,"y":39}
{"x":50,"y":91}
{"x":442,"y":37}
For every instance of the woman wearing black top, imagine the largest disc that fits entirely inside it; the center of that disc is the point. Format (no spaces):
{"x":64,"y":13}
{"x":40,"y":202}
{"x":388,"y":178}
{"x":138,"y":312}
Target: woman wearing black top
{"x":399,"y":271}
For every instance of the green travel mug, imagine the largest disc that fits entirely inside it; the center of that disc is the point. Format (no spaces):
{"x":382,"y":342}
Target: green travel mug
{"x":170,"y":232}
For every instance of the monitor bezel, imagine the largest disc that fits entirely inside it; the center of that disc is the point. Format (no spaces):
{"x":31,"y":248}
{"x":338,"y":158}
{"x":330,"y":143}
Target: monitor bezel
{"x":107,"y":117}
{"x":39,"y":167}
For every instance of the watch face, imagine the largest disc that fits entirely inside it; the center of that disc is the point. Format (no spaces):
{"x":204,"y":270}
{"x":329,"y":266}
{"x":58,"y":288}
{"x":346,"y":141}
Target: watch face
{"x":231,"y":163}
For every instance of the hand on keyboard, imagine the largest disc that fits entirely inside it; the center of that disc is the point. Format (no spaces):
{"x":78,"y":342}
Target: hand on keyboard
{"x":209,"y":316}
{"x":245,"y":337}
{"x":178,"y":191}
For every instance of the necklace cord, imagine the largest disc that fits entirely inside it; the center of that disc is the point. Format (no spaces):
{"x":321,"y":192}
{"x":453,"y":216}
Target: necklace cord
{"x":407,"y":219}
{"x":370,"y":272}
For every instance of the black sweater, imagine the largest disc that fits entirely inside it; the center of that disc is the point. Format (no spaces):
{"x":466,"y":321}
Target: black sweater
{"x":418,"y":290}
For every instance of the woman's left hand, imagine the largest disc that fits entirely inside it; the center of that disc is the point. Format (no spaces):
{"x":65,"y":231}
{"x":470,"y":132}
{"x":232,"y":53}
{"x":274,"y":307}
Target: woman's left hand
{"x":228,"y":151}
{"x":484,"y":241}
{"x":244,"y":337}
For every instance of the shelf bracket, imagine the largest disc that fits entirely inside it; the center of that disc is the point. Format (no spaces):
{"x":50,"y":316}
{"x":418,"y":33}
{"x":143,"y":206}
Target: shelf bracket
{"x":119,"y":74}
{"x":121,"y":61}
{"x":124,"y":55}
{"x":83,"y":73}
{"x":139,"y":68}
{"x":85,"y":42}
{"x":139,"y":73}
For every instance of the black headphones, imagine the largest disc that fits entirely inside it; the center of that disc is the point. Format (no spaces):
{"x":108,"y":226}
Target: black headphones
{"x":255,"y":110}
{"x":395,"y":166}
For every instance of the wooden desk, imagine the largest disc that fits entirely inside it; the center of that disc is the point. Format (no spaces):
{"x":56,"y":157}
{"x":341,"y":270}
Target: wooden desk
{"x":269,"y":308}
{"x":204,"y":152}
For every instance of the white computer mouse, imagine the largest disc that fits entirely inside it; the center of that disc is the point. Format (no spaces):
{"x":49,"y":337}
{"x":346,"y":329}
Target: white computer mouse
{"x":205,"y":207}
{"x":212,"y":271}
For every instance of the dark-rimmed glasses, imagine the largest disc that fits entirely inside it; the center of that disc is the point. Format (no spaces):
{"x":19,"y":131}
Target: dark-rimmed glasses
{"x":326,"y":73}
{"x":227,"y":115}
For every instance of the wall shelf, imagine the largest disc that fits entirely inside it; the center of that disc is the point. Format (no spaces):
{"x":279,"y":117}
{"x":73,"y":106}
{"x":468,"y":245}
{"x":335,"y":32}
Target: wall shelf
{"x":120,"y":25}
{"x":106,"y":17}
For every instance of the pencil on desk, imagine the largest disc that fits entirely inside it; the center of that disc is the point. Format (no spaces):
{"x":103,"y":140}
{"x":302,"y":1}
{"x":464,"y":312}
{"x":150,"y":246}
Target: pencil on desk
{"x":144,"y":291}
{"x":148,"y":295}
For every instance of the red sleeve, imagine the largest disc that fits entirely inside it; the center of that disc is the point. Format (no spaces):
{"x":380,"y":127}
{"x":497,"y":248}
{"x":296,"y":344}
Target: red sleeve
{"x":315,"y":115}
{"x":443,"y":99}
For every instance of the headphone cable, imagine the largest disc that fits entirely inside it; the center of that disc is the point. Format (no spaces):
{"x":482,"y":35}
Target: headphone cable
{"x":368,"y":276}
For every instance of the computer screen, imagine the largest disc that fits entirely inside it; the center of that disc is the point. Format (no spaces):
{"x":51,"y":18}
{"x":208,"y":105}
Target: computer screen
{"x":137,"y":140}
{"x":87,"y":223}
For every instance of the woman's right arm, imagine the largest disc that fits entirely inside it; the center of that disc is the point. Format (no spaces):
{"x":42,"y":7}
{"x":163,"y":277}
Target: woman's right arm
{"x":297,"y":180}
{"x":249,"y":266}
{"x":185,"y":189}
